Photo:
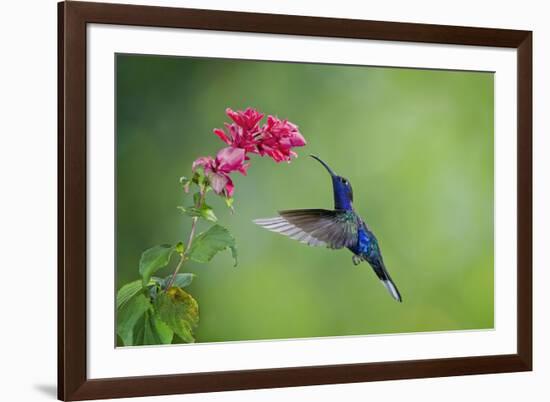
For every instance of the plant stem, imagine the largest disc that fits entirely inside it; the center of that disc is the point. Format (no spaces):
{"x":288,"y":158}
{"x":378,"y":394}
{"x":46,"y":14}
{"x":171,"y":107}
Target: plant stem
{"x":183,"y":257}
{"x":173,"y":278}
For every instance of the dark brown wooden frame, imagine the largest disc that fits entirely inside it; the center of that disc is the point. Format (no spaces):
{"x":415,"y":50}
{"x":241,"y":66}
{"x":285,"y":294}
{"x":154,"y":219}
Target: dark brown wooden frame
{"x":73,"y":383}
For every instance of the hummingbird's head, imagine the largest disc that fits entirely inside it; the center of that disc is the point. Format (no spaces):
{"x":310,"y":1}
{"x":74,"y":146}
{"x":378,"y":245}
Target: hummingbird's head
{"x":343,"y":193}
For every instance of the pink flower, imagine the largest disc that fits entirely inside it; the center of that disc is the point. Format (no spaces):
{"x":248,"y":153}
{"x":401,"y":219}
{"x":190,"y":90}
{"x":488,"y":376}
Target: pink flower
{"x":244,"y":135}
{"x":243,"y":131}
{"x":231,"y":159}
{"x":217,"y":170}
{"x":248,"y":120}
{"x":278,"y":138}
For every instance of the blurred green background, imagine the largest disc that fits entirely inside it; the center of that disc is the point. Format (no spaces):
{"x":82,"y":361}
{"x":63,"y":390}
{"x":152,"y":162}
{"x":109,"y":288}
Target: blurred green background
{"x":417,"y":146}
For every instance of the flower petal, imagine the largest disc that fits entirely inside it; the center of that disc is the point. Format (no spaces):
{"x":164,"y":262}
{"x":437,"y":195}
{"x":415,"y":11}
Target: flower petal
{"x":243,"y":168}
{"x":248,"y":119}
{"x":220,"y":133}
{"x":218,"y":181}
{"x":204,"y":162}
{"x":229,"y":187}
{"x":230,"y":159}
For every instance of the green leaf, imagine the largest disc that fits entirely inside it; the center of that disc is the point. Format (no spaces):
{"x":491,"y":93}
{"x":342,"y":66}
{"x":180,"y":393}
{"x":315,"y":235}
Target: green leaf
{"x":126,"y":292}
{"x":208,"y":213}
{"x":208,"y":244}
{"x":204,"y":212}
{"x":185,"y":210}
{"x":229,"y":202}
{"x":128,"y":315}
{"x":189,"y":211}
{"x":181,"y":280}
{"x":179,"y":311}
{"x":154,"y":259}
{"x":150,"y":330}
{"x":185,"y":182}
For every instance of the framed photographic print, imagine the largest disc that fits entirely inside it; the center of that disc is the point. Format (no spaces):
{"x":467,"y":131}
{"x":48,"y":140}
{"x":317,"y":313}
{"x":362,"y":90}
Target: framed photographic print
{"x":253,"y":200}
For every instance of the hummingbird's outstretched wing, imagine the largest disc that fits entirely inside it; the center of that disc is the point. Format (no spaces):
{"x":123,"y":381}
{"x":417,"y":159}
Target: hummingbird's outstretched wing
{"x":316,"y":227}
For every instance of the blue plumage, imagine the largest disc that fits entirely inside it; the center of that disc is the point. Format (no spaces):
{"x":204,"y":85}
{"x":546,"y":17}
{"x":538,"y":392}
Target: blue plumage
{"x":337,"y":228}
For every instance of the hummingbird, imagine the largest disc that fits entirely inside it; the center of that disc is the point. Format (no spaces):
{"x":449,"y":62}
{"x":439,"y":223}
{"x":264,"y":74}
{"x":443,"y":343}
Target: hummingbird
{"x":339,"y":228}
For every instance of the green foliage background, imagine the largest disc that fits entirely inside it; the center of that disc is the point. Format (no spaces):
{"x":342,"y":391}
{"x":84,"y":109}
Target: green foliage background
{"x":417,"y":146}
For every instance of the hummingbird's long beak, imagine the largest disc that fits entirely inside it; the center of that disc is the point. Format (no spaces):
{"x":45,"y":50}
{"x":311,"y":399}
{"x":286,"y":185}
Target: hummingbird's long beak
{"x":325,"y":165}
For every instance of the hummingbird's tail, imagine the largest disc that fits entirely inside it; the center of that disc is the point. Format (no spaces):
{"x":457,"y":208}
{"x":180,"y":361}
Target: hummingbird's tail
{"x":388,"y":284}
{"x":386,"y":280}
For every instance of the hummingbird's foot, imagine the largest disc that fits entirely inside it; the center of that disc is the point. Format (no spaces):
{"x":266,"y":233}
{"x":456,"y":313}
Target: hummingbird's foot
{"x":356,"y":260}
